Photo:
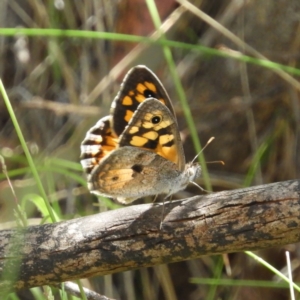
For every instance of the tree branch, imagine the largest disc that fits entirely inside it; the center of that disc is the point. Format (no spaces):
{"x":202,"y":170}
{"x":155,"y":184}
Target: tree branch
{"x":129,"y":238}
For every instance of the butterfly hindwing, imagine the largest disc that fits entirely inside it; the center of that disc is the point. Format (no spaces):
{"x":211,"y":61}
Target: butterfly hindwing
{"x":97,"y":144}
{"x":129,"y":173}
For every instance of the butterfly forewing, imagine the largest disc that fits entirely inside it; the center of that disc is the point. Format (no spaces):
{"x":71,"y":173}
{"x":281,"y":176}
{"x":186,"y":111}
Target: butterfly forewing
{"x":153,"y":127}
{"x":139,"y":84}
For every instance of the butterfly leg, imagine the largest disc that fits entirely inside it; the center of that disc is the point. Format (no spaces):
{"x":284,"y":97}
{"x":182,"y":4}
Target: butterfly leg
{"x":155,"y":198}
{"x":163,"y":211}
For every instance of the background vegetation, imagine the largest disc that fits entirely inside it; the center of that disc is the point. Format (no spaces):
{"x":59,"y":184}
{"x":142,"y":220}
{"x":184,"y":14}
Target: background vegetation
{"x":60,"y":82}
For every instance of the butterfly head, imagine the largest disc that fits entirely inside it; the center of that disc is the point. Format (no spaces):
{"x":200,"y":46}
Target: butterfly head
{"x":193,"y":171}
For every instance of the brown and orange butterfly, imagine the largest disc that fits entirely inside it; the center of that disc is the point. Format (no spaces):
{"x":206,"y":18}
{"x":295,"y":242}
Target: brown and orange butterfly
{"x":136,"y":151}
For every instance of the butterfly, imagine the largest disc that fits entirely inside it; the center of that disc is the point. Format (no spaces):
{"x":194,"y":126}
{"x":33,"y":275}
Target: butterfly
{"x":137,"y":151}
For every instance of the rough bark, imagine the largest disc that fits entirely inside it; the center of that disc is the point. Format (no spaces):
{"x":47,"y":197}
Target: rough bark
{"x":129,"y":238}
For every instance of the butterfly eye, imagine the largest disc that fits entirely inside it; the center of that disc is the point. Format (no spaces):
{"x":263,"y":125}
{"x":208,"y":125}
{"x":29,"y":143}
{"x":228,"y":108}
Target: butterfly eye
{"x":156,"y":120}
{"x":149,"y":94}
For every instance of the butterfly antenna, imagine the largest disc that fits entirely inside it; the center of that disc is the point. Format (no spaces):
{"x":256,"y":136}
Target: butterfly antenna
{"x":207,"y":143}
{"x":216,"y":162}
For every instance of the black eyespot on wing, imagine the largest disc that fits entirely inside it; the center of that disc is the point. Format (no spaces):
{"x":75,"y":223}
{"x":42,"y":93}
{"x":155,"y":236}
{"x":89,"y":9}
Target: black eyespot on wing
{"x":149,"y":94}
{"x":137,"y":168}
{"x":115,"y":178}
{"x":156,"y":120}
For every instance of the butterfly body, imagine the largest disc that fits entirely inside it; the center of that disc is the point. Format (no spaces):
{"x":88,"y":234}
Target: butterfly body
{"x":135,"y":153}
